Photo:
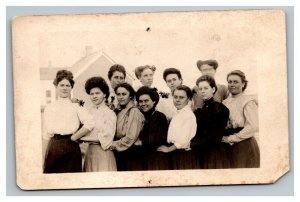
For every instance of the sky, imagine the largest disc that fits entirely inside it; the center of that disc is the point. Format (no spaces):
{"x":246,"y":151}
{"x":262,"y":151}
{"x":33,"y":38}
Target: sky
{"x":172,"y":40}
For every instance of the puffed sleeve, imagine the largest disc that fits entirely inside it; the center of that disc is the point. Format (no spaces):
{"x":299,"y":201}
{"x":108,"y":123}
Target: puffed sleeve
{"x":85,"y":117}
{"x":107,"y":133}
{"x":251,"y":123}
{"x":134,"y":126}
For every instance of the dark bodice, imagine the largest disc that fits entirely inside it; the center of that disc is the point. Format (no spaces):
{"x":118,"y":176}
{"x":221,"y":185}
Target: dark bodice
{"x":212,"y":119}
{"x":155,"y":130}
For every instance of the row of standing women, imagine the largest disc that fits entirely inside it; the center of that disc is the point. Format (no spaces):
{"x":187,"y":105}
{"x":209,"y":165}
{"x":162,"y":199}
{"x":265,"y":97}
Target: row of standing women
{"x":129,"y":130}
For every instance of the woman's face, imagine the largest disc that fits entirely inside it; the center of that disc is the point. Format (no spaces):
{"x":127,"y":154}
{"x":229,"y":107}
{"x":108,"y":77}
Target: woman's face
{"x":147,"y":77}
{"x":146,"y":103}
{"x":180,"y":99}
{"x":208,"y":70}
{"x":63,"y":88}
{"x":235,"y":84}
{"x":206,"y":91}
{"x":123,"y":96}
{"x":97,"y":96}
{"x":117,"y":78}
{"x":173,"y":81}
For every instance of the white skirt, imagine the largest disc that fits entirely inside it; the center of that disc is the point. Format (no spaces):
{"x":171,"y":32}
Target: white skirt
{"x":97,"y":159}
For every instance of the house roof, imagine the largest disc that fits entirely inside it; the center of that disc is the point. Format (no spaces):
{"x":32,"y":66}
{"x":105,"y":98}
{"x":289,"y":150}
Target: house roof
{"x":49,"y":73}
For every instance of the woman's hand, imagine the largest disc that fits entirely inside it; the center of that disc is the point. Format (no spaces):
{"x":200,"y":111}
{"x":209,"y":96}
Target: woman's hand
{"x":226,"y":140}
{"x":112,"y":146}
{"x":73,"y":138}
{"x":138,"y":143}
{"x":163,"y":148}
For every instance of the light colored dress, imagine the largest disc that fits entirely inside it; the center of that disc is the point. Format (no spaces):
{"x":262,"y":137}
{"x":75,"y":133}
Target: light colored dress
{"x":243,"y":127}
{"x":98,"y":156}
{"x":130,"y":122}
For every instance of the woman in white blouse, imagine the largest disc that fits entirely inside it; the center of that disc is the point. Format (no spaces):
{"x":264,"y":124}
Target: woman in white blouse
{"x":243,"y":150}
{"x":61,"y":125}
{"x":181,"y":130}
{"x":98,"y":156}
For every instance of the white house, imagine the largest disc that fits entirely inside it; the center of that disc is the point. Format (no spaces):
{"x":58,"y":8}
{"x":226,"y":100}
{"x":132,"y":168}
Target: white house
{"x":92,"y":64}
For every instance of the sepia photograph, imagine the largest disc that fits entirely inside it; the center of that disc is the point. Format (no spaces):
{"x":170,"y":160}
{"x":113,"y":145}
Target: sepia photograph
{"x":150,"y":99}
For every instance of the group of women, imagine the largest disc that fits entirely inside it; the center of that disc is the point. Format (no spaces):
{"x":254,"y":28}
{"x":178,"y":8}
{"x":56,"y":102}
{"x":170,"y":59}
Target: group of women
{"x":135,"y":135}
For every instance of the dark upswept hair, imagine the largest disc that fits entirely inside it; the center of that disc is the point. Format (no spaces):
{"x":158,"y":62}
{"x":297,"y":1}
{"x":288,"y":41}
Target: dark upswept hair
{"x":212,"y":63}
{"x":97,"y":82}
{"x":145,"y":90}
{"x":241,"y":75}
{"x":209,"y":79}
{"x":187,"y":90}
{"x":171,"y":71}
{"x":64,"y":74}
{"x":128,"y":87}
{"x":114,"y":68}
{"x":138,"y":71}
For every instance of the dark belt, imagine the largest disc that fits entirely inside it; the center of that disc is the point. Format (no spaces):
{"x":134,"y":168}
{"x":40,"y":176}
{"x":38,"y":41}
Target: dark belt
{"x":59,"y":137}
{"x":231,"y":131}
{"x":89,"y":142}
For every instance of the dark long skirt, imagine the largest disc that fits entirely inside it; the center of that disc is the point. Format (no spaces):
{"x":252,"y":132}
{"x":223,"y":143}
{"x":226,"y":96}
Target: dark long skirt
{"x":155,"y":160}
{"x":217,"y":157}
{"x":245,"y":154}
{"x":182,"y":159}
{"x":130,"y":159}
{"x":63,"y":155}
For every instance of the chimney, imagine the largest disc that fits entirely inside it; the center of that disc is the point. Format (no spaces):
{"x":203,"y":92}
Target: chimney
{"x":88,"y":50}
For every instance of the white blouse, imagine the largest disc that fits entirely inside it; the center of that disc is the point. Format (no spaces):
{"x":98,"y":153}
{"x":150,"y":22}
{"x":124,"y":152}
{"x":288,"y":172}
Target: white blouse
{"x":63,"y":117}
{"x":105,"y":126}
{"x":243,"y":113}
{"x":182,"y":128}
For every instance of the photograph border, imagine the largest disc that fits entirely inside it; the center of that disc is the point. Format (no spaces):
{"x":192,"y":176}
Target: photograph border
{"x":204,"y":8}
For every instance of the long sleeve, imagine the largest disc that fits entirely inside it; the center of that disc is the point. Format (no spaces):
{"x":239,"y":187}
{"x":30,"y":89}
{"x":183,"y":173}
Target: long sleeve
{"x":134,"y":126}
{"x":182,"y":129}
{"x":106,"y":134}
{"x":155,"y":131}
{"x":211,"y":130}
{"x":160,"y":130}
{"x":85,"y":118}
{"x":251,"y":123}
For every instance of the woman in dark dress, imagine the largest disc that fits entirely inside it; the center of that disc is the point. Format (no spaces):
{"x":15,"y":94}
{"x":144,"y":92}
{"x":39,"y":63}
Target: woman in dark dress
{"x":155,"y":130}
{"x":243,"y":123}
{"x":130,"y":122}
{"x":211,"y":118}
